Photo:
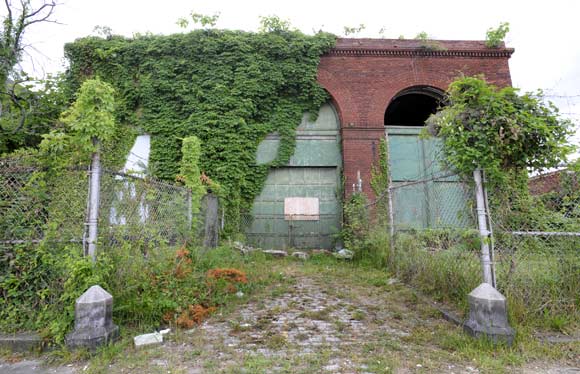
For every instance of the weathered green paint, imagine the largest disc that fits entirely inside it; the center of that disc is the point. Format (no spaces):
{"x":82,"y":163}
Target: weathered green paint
{"x":313,"y":171}
{"x":268,"y":149}
{"x":433,"y":204}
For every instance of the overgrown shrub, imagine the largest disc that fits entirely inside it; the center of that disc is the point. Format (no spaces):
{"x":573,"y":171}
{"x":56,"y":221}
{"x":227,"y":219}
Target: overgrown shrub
{"x":355,"y":225}
{"x":160,"y":286}
{"x":499,"y":130}
{"x":495,"y":37}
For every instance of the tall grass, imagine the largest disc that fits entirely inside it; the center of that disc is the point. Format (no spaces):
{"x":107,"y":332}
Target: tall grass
{"x":542,"y":287}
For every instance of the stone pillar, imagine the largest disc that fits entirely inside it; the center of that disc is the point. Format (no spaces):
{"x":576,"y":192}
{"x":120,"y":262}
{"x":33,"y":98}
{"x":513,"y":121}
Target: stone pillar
{"x":93,"y":320}
{"x":488,"y":315}
{"x":211,"y":220}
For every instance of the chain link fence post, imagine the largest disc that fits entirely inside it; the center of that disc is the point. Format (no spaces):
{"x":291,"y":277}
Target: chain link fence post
{"x":90,"y":244}
{"x":484,"y":233}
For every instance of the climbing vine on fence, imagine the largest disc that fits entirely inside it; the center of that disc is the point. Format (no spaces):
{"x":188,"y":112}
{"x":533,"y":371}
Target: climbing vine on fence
{"x":228,"y":88}
{"x":380,"y":183}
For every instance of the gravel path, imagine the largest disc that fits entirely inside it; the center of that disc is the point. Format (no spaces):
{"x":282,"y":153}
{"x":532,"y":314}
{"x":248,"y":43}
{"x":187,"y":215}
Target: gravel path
{"x":317,"y":320}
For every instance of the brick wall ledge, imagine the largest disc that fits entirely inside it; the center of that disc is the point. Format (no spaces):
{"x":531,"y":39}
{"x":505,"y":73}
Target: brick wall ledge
{"x":413,"y":52}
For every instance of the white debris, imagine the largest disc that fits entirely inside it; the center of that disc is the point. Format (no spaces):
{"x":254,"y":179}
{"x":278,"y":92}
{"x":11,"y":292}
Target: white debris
{"x":275,"y":253}
{"x":301,"y":255}
{"x":148,"y":339}
{"x":344,"y":254}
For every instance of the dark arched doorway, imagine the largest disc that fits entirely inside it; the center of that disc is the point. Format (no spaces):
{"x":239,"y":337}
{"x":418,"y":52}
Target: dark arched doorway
{"x":412,"y":106}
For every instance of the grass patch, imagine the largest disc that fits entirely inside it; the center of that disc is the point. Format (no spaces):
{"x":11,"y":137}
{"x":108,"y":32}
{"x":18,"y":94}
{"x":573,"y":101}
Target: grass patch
{"x":541,"y":287}
{"x":319,"y":315}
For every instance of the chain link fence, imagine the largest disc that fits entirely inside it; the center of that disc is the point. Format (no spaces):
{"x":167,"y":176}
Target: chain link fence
{"x":537,"y":249}
{"x":145,"y":211}
{"x":39,"y":205}
{"x":439,"y":202}
{"x":534,"y":240}
{"x":22,"y":212}
{"x":435,"y":244}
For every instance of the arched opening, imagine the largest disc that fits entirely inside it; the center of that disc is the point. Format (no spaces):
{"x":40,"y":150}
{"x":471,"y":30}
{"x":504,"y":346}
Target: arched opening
{"x":421,"y":186}
{"x":412,"y":106}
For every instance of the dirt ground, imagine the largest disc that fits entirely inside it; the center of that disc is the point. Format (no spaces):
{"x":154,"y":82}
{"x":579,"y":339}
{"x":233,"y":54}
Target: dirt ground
{"x":321,"y":318}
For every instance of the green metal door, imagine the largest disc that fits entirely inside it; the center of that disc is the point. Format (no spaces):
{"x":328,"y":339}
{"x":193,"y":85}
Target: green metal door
{"x":424,"y":195}
{"x":313,"y":174}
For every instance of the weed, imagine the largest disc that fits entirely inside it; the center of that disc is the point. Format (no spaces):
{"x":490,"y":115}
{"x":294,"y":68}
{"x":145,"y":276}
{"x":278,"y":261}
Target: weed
{"x":358,"y":315}
{"x":302,"y":336}
{"x":320,"y":315}
{"x":276,"y":341}
{"x":340,"y":326}
{"x":559,"y":323}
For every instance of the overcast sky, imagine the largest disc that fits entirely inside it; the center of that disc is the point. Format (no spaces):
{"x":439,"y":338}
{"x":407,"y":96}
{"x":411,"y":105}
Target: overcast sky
{"x":544,"y":34}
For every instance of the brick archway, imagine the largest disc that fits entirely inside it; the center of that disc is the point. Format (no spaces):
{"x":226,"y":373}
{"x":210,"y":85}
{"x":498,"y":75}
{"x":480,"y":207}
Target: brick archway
{"x":363,"y":76}
{"x":413,"y":105}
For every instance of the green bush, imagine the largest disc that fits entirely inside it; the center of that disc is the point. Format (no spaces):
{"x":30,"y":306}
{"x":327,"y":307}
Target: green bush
{"x":150,"y":289}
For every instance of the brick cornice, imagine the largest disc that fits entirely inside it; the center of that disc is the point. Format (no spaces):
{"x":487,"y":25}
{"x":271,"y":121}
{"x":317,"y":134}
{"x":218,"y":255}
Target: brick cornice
{"x":414,"y":52}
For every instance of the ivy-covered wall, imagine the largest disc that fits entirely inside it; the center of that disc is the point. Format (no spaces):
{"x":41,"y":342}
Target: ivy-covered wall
{"x":228,"y":88}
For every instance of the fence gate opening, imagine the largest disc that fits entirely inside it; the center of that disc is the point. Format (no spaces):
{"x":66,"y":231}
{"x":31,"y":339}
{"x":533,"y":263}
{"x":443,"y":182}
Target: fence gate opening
{"x":299,"y":206}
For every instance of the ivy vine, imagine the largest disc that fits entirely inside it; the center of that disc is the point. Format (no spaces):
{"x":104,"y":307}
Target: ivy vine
{"x":228,"y":88}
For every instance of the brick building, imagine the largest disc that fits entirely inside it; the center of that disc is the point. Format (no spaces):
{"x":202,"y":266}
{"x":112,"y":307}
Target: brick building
{"x":381,"y":82}
{"x":377,"y":87}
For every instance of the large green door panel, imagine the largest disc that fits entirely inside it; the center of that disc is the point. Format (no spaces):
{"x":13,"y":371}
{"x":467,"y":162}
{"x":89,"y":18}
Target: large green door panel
{"x":312,"y":172}
{"x":410,"y":207}
{"x":440,"y":201}
{"x":406,"y":156}
{"x":267,"y":226}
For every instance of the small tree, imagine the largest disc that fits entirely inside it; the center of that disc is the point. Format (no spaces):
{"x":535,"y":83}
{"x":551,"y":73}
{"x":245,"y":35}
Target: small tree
{"x":89,"y":120}
{"x":18,"y":19}
{"x":494,"y":37}
{"x":274,"y":24}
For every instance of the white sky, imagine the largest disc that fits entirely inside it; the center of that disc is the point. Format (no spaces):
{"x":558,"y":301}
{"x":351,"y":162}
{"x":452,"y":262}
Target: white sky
{"x":545,"y":34}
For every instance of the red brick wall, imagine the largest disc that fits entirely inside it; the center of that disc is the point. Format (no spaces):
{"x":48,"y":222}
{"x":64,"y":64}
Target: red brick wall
{"x":363,"y":76}
{"x":542,"y":184}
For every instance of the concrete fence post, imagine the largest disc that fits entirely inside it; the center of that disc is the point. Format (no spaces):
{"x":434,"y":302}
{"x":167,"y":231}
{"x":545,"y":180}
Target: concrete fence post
{"x":211,"y":224}
{"x":484,"y":233}
{"x":488,"y":316}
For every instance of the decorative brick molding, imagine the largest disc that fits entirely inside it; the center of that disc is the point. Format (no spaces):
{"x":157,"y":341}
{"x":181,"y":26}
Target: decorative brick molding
{"x":422,"y":52}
